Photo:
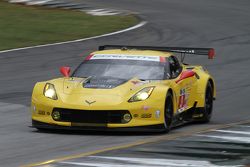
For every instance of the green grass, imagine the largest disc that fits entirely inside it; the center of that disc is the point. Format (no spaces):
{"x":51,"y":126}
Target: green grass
{"x":22,"y":26}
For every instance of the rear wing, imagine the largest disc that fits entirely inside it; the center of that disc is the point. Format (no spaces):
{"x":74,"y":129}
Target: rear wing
{"x":210,"y":52}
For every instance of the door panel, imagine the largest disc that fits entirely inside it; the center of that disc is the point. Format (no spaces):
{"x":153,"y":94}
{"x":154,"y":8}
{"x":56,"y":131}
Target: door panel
{"x":186,"y":89}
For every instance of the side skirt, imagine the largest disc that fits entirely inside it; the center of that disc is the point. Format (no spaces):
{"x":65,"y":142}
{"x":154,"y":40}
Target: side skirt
{"x":187,"y":116}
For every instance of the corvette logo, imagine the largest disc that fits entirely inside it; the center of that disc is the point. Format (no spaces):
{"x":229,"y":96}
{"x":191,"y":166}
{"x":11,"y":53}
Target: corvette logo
{"x":89,"y":102}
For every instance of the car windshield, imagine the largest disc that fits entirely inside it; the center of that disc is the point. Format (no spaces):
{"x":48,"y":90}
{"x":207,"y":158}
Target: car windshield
{"x":122,"y":69}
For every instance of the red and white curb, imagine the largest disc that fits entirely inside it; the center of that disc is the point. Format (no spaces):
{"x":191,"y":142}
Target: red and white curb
{"x":64,"y":4}
{"x":102,"y":12}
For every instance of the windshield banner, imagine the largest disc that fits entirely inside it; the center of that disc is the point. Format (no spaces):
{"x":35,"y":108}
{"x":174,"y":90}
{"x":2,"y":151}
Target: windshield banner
{"x":126,"y":57}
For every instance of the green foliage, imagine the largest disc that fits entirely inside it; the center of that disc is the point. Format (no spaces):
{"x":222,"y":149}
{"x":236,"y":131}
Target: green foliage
{"x":22,"y":26}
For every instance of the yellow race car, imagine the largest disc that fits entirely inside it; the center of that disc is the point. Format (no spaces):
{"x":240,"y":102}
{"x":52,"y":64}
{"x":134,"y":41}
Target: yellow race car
{"x":126,"y":88}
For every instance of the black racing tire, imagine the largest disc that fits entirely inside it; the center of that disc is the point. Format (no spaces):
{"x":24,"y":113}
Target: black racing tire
{"x":41,"y":129}
{"x":208,"y":106}
{"x":168,"y":113}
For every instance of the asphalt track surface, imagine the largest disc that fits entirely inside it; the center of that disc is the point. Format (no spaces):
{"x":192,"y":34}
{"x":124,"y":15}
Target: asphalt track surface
{"x":222,"y":24}
{"x":225,"y":147}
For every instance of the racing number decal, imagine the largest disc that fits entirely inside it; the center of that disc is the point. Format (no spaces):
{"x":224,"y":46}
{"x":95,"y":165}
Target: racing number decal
{"x":184,"y":96}
{"x":183,"y":99}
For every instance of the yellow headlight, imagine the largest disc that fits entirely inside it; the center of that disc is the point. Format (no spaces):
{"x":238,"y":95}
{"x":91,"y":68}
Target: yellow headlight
{"x":142,"y":94}
{"x":49,"y":91}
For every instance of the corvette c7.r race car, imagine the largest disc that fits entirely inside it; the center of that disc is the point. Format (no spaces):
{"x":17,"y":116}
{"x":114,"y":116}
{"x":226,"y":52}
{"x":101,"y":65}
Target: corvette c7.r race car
{"x":126,"y":88}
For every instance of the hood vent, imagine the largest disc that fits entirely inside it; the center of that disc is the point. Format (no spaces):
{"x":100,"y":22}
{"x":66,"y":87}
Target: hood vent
{"x":103,"y":83}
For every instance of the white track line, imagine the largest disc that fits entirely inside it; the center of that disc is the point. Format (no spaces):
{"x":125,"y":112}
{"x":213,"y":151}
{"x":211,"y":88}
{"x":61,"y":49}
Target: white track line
{"x":229,"y":138}
{"x":79,"y":40}
{"x":233,"y":132}
{"x":142,"y":162}
{"x":243,"y":126}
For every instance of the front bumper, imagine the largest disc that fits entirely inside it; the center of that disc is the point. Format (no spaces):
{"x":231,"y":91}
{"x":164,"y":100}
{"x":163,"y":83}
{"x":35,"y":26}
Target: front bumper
{"x":148,"y":128}
{"x":148,"y":113}
{"x":142,"y":115}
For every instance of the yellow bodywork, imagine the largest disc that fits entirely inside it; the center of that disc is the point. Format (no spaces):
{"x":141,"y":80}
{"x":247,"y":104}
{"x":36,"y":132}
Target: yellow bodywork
{"x":72,"y":95}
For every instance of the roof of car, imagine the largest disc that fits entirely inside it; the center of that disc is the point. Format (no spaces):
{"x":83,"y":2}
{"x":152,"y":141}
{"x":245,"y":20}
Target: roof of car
{"x":134,"y":52}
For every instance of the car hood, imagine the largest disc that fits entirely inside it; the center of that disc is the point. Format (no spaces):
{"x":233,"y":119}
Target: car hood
{"x":116,"y":87}
{"x":109,"y":91}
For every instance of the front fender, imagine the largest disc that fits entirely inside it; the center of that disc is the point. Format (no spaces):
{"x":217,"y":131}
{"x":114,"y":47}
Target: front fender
{"x":163,"y":91}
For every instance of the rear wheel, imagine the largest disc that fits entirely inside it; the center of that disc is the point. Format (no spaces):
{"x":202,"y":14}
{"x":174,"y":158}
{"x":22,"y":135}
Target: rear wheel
{"x":208,"y":106}
{"x":168,"y":113}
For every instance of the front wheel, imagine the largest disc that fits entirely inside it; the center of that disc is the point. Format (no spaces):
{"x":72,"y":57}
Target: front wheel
{"x":168,"y":113}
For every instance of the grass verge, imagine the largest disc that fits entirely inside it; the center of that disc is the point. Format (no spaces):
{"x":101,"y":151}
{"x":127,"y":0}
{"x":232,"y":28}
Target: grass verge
{"x":22,"y":26}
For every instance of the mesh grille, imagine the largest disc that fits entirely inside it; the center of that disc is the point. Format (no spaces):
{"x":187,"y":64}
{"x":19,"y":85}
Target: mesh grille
{"x":91,"y":116}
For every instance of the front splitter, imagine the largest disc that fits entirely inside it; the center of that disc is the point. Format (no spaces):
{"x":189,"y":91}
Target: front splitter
{"x":148,"y":128}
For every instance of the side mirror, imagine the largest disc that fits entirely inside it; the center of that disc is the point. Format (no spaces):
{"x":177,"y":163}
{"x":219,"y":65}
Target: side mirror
{"x":185,"y":74}
{"x":65,"y":71}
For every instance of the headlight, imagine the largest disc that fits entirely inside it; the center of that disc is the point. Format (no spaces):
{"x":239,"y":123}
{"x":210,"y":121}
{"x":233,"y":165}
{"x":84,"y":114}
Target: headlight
{"x":49,"y":91}
{"x":142,"y":94}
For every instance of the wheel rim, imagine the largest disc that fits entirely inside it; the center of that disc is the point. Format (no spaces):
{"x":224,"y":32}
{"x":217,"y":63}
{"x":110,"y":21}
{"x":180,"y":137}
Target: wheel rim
{"x":168,"y":113}
{"x":209,"y":102}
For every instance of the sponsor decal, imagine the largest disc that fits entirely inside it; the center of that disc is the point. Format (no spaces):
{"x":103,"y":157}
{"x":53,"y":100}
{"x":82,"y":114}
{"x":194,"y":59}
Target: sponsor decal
{"x":89,"y":85}
{"x":40,"y":112}
{"x":145,"y":108}
{"x":34,"y":108}
{"x":135,"y":82}
{"x":139,"y":83}
{"x":185,"y":51}
{"x":135,"y":115}
{"x":197,"y":116}
{"x":125,"y":57}
{"x":146,"y":115}
{"x":157,"y":114}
